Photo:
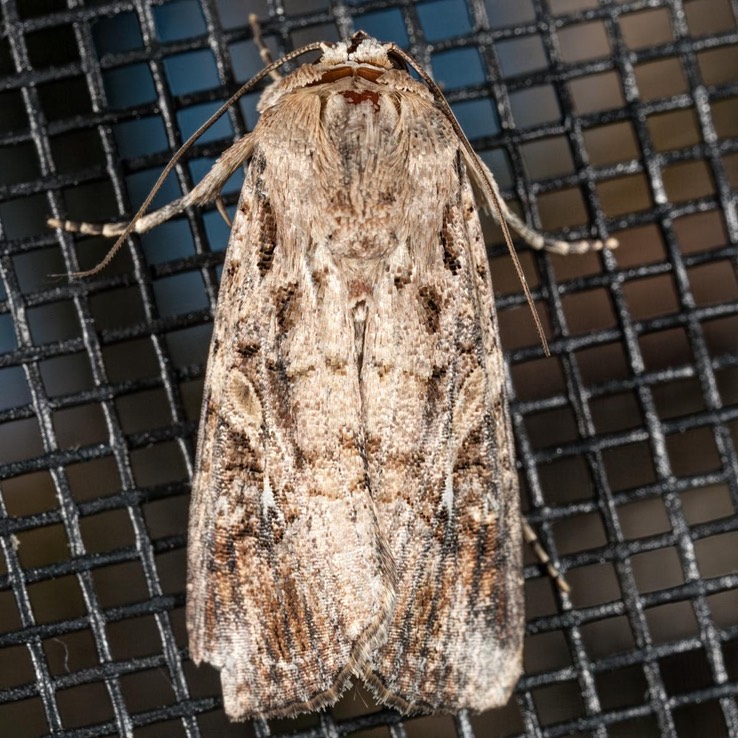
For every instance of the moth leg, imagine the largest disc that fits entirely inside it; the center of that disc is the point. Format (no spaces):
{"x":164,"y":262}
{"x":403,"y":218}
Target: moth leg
{"x":538,"y":240}
{"x":264,"y":53}
{"x":220,"y":205}
{"x":532,"y":540}
{"x":204,"y":192}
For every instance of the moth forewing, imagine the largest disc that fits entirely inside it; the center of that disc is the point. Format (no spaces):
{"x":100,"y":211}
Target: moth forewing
{"x":355,"y":505}
{"x":280,"y":494}
{"x":452,"y":515}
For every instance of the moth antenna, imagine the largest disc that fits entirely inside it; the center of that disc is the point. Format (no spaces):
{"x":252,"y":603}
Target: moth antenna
{"x":130,"y":228}
{"x":492,"y":194}
{"x":532,"y":540}
{"x":264,"y":53}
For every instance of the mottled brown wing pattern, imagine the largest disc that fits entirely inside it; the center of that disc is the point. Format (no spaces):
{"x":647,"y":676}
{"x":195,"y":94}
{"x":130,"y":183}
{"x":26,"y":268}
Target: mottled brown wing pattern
{"x":355,"y":466}
{"x":443,"y":476}
{"x":280,"y":494}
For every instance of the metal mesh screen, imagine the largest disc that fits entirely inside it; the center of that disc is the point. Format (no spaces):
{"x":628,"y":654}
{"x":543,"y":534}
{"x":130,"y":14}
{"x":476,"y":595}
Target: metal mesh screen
{"x":598,"y":118}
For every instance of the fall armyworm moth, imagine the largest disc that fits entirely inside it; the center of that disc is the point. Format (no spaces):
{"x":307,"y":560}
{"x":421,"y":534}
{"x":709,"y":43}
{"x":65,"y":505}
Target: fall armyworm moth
{"x":355,"y":507}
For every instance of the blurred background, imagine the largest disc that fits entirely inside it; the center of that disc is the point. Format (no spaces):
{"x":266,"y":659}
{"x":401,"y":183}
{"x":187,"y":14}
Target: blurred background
{"x":599,"y":118}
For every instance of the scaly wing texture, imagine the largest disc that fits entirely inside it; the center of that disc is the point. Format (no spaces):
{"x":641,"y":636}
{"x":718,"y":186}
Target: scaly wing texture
{"x":442,"y":469}
{"x":355,"y":446}
{"x":289,"y":583}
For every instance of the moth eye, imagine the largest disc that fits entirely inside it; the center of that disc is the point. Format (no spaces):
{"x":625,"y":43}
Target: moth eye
{"x":397,"y":62}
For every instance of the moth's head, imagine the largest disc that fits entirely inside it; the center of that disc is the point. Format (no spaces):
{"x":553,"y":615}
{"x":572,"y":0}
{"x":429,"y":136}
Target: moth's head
{"x":360,"y":57}
{"x":361,"y":50}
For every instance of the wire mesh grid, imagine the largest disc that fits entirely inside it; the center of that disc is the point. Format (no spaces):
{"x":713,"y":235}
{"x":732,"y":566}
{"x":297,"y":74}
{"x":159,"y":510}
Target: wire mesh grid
{"x":599,"y":118}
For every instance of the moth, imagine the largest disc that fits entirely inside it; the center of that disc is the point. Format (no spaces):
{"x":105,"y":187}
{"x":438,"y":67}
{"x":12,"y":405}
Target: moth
{"x":355,"y":510}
